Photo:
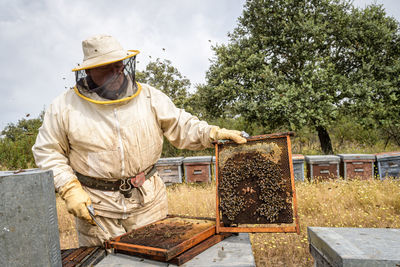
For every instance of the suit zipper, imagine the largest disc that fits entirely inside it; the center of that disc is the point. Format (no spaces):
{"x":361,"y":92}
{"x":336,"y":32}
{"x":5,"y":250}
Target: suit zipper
{"x":121,"y":149}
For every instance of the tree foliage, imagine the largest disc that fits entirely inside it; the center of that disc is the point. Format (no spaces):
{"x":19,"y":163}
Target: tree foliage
{"x":304,"y":63}
{"x":17,"y":141}
{"x":23,"y":128}
{"x":167,"y":78}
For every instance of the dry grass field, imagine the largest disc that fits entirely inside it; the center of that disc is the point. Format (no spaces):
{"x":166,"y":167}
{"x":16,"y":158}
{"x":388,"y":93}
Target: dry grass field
{"x":339,"y":203}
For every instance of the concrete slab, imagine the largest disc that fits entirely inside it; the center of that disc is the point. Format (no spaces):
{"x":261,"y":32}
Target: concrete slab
{"x":233,"y":251}
{"x":355,"y":246}
{"x":28,"y":219}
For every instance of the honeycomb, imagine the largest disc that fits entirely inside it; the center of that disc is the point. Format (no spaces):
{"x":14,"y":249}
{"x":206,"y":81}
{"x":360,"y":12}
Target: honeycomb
{"x":254,"y":182}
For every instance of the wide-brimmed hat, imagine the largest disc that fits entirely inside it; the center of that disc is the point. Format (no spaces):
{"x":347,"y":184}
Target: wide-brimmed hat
{"x":101,"y":50}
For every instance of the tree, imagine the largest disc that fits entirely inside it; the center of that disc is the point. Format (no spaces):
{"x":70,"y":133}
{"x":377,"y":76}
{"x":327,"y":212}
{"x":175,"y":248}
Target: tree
{"x":162,"y":75}
{"x":297,"y":63}
{"x":378,"y":81}
{"x":24,"y":127}
{"x":167,"y":78}
{"x":17,"y":141}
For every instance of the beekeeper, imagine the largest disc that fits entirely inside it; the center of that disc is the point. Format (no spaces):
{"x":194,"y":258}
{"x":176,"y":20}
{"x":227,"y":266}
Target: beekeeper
{"x":102,"y":138}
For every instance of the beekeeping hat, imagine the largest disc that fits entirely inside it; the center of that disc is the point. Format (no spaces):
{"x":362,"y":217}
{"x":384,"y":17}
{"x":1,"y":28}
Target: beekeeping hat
{"x":101,"y":50}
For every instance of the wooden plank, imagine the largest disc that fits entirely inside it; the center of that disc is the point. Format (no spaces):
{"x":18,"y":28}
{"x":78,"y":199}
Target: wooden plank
{"x":294,"y":197}
{"x":84,"y":254}
{"x":69,"y":261}
{"x":196,"y":250}
{"x":184,"y":256}
{"x":95,"y":257}
{"x":190,"y":217}
{"x":138,"y":249}
{"x":289,"y":229}
{"x":217,"y":214}
{"x":187,"y":244}
{"x":258,"y":137}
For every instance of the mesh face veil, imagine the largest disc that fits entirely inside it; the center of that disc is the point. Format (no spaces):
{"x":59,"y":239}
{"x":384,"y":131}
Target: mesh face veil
{"x":108,"y":81}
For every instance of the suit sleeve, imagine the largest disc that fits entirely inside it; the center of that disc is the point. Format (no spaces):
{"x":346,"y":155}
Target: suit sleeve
{"x":182,"y":129}
{"x":51,"y":148}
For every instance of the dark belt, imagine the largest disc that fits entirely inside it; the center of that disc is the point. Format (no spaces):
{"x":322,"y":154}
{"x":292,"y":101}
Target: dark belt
{"x":124,"y":185}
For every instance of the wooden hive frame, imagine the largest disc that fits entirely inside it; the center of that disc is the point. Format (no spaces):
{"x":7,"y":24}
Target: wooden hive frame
{"x":292,"y":228}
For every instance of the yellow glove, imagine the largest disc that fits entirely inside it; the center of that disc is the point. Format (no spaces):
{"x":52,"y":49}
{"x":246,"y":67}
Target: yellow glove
{"x":76,"y":200}
{"x":217,"y":133}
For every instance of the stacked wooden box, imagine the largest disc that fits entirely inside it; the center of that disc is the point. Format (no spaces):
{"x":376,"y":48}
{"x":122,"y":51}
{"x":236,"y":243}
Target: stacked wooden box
{"x":197,"y":169}
{"x":298,"y":167}
{"x":323,"y":167}
{"x":357,"y":166}
{"x":388,"y":164}
{"x":170,"y":169}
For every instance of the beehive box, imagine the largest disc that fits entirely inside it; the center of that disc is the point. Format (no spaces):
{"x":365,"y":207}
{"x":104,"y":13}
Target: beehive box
{"x":255,"y":185}
{"x":388,"y":164}
{"x":170,"y":169}
{"x":197,"y":169}
{"x":298,"y":167}
{"x":322,"y":167}
{"x":28,"y":219}
{"x":357,"y":166}
{"x":354,"y":247}
{"x":213,"y":168}
{"x":83,"y":256}
{"x":165,"y":239}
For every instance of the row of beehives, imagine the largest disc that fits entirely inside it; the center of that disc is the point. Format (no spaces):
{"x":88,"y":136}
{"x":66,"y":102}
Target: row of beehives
{"x":348,"y":166}
{"x":195,"y":169}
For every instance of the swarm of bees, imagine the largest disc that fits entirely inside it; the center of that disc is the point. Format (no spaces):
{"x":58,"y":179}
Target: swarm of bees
{"x":161,"y":235}
{"x":249,"y":178}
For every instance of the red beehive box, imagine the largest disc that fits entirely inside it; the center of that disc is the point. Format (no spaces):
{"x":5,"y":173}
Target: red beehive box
{"x":323,"y":167}
{"x":357,"y":166}
{"x":197,"y":169}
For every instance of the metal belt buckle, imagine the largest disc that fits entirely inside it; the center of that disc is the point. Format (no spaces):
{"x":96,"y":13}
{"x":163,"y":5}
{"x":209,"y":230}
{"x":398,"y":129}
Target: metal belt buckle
{"x":126,"y":188}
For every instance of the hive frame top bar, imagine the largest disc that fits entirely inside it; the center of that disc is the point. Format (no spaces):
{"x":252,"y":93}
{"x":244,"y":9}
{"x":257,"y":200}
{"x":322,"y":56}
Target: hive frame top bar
{"x":258,"y":137}
{"x":280,"y":228}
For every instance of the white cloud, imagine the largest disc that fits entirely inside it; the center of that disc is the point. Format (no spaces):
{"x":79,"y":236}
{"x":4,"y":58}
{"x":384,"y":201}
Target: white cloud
{"x":41,"y":41}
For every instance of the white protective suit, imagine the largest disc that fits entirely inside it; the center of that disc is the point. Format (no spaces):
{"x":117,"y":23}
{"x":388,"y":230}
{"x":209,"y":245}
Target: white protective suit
{"x":114,"y":141}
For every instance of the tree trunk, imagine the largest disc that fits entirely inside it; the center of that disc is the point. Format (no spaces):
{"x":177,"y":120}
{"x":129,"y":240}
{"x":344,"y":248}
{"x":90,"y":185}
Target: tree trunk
{"x":325,"y":140}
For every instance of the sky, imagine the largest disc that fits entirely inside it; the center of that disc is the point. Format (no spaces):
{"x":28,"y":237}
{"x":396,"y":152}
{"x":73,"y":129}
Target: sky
{"x":40,"y":41}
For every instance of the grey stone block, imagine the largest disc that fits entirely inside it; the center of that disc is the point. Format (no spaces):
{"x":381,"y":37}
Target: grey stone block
{"x":28,"y":220}
{"x":354,"y":247}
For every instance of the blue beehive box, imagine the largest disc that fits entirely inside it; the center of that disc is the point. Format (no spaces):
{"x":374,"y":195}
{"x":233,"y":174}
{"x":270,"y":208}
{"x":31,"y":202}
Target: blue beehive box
{"x":170,"y":170}
{"x":388,"y":164}
{"x":298,"y":167}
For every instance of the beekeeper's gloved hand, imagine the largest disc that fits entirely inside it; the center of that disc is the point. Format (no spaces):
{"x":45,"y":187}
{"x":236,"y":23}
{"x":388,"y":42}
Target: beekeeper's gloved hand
{"x":217,"y":133}
{"x":77,"y":200}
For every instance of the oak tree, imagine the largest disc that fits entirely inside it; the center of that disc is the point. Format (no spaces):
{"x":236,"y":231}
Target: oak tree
{"x":297,"y":63}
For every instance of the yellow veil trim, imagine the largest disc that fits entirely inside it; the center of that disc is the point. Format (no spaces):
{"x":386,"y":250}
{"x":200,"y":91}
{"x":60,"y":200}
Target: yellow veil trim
{"x":110,"y":101}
